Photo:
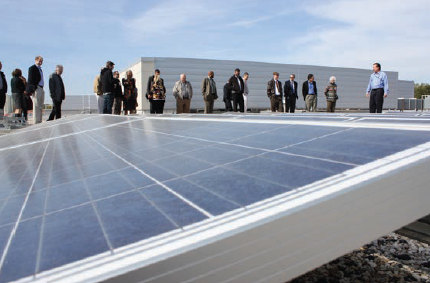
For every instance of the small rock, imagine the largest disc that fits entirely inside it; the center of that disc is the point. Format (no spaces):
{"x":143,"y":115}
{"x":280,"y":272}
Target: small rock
{"x":403,"y":257}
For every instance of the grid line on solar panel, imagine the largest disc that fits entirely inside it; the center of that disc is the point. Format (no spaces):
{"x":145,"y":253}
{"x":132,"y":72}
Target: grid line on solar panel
{"x":158,"y":182}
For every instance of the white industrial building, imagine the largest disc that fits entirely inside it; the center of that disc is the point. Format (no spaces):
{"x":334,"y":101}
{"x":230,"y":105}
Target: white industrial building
{"x":352,"y":82}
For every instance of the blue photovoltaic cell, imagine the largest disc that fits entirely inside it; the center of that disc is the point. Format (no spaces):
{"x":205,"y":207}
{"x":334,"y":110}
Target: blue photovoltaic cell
{"x":66,"y":196}
{"x":173,"y":207}
{"x":240,"y":188}
{"x":35,"y":205}
{"x":127,"y":179}
{"x":128,"y":218}
{"x":22,"y":256}
{"x":204,"y":198}
{"x":108,"y":184}
{"x":11,"y":209}
{"x":289,"y":175}
{"x":71,"y":235}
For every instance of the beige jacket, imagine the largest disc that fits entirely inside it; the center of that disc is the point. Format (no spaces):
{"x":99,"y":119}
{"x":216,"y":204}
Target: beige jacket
{"x":98,"y":86}
{"x":207,"y":91}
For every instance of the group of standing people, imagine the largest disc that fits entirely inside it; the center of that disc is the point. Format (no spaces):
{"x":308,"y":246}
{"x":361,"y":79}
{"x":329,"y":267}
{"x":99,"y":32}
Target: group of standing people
{"x":114,"y":95}
{"x":278,"y":95}
{"x":377,"y":90}
{"x":30,"y":95}
{"x":236,"y":91}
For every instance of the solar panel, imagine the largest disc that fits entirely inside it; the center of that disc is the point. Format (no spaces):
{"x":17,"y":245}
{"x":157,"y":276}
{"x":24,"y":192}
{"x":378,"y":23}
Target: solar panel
{"x":202,"y":198}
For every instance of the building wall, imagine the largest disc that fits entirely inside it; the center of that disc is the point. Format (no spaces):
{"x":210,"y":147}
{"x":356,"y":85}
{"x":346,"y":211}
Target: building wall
{"x":405,"y":89}
{"x":352,"y":83}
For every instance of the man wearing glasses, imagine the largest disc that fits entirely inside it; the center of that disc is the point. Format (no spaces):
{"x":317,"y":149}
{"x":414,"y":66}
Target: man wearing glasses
{"x":290,"y":91}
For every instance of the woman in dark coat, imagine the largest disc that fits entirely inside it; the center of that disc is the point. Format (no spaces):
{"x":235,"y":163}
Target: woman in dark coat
{"x":18,"y":84}
{"x":130,"y":93}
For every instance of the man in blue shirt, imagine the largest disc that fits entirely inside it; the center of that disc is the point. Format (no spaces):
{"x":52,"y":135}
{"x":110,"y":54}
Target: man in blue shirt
{"x":377,"y":89}
{"x":309,"y":91}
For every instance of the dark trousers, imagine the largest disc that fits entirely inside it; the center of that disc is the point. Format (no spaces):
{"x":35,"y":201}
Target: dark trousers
{"x":56,"y":110}
{"x":276,"y":103}
{"x":25,"y":106}
{"x":228,"y":106}
{"x":151,"y":106}
{"x":290,"y":103}
{"x":2,"y":98}
{"x":157,"y":106}
{"x":238,"y":100}
{"x":331,"y":106}
{"x":107,"y":103}
{"x":117,"y":105}
{"x":376,"y":100}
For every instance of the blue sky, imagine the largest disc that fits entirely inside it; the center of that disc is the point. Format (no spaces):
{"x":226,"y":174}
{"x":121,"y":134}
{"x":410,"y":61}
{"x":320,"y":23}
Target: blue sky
{"x":83,"y":35}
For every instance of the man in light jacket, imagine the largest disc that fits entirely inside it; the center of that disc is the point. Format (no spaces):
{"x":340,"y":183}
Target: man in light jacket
{"x":209,"y":92}
{"x":57,"y":91}
{"x":245,"y":91}
{"x":99,"y":93}
{"x":183,"y":92}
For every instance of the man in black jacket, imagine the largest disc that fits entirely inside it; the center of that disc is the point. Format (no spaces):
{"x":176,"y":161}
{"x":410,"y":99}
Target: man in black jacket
{"x":290,"y":92}
{"x":309,"y":91}
{"x":108,"y":89}
{"x":148,"y":90}
{"x":274,"y":92}
{"x":58,"y":92}
{"x":227,"y":97}
{"x":119,"y":97}
{"x":237,"y":87}
{"x":3,"y":91}
{"x":35,"y":86}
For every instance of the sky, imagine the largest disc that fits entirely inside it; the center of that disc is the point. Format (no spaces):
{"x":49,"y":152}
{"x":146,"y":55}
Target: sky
{"x":83,"y":35}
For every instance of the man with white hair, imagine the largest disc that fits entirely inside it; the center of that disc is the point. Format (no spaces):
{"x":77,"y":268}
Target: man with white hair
{"x":57,"y":91}
{"x":330,"y":93}
{"x":183,"y":92}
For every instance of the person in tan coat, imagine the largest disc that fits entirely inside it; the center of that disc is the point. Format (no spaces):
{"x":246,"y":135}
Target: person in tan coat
{"x":209,"y":92}
{"x":99,"y":93}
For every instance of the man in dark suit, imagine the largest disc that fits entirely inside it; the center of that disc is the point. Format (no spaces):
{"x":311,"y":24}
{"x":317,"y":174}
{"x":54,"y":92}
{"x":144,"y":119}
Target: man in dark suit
{"x":58,"y":92}
{"x":237,"y":87}
{"x":290,"y":92}
{"x":227,"y":97}
{"x":35,"y":86}
{"x":148,"y":90}
{"x":3,"y":91}
{"x":309,"y":91}
{"x":274,"y":92}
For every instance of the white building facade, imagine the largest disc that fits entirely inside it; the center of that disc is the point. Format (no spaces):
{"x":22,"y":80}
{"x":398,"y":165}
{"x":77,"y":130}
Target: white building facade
{"x":352,"y":83}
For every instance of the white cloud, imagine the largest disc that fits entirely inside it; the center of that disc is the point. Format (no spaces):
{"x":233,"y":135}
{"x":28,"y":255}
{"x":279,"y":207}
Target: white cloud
{"x":173,"y":17}
{"x":250,"y":22}
{"x":392,"y":32}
